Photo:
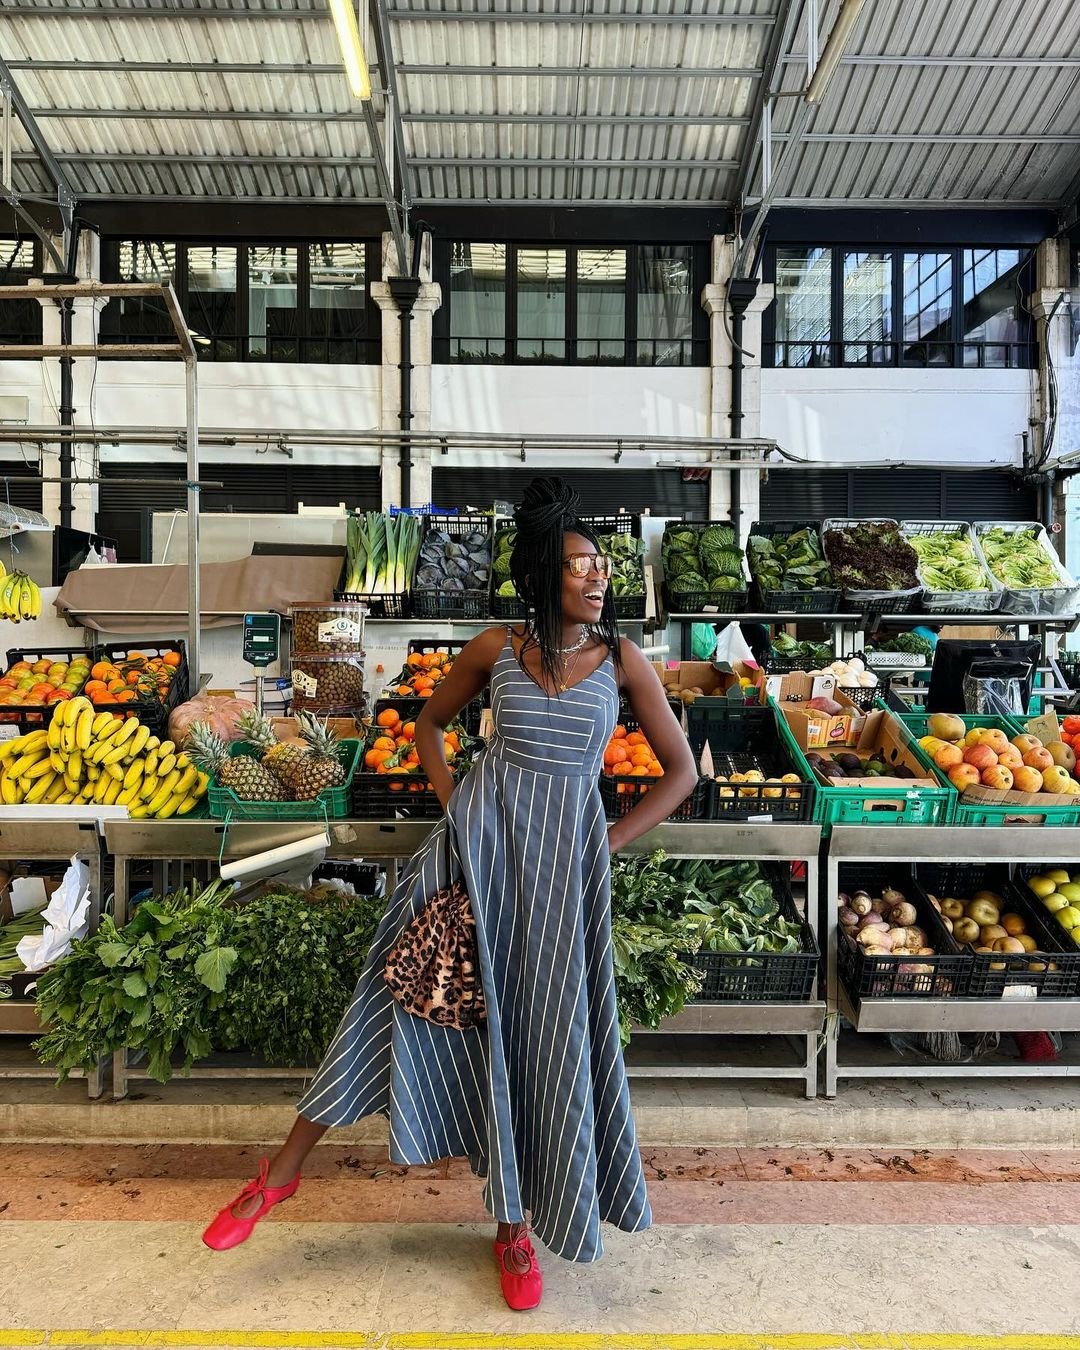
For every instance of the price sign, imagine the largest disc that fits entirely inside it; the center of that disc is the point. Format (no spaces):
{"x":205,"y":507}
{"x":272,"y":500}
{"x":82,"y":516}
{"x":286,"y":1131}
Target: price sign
{"x":262,"y":638}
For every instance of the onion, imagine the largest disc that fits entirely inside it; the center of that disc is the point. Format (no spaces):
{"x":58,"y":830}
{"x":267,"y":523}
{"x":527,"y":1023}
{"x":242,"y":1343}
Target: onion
{"x":903,"y":914}
{"x":860,"y":903}
{"x":843,"y":899}
{"x":918,"y":935}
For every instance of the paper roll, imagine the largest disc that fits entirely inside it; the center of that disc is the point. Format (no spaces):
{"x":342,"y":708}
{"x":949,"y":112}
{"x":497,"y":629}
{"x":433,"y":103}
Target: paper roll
{"x":273,"y":860}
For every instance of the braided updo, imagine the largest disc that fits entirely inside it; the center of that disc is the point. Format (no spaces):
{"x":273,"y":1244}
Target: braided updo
{"x":548,"y":511}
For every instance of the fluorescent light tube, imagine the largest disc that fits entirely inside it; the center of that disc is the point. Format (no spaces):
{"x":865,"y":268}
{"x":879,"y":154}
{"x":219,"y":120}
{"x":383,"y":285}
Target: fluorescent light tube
{"x":834,"y":50}
{"x":352,"y":49}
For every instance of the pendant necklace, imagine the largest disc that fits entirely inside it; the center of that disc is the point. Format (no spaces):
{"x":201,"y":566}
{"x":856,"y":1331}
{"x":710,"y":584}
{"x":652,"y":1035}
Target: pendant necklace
{"x":575,"y":646}
{"x":564,"y":684}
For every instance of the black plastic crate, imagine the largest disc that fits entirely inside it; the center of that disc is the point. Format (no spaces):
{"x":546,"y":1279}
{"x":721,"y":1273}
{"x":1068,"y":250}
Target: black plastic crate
{"x":1059,"y":976}
{"x":760,"y":977}
{"x":152,"y":713}
{"x":430,"y":602}
{"x":815,"y":601}
{"x":621,"y":793}
{"x":424,"y":645}
{"x":380,"y":796}
{"x":704,"y":602}
{"x":25,"y":717}
{"x":756,"y":743}
{"x":624,"y":522}
{"x":786,"y":665}
{"x":508,"y":607}
{"x":872,"y":977}
{"x":395,"y":606}
{"x":728,"y":725}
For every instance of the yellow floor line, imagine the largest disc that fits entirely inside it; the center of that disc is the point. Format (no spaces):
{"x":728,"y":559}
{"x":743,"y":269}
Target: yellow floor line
{"x":428,"y":1340}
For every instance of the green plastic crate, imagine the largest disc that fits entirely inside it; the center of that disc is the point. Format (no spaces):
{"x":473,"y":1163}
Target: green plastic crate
{"x":331,"y":804}
{"x":988,"y":814}
{"x":876,"y":805}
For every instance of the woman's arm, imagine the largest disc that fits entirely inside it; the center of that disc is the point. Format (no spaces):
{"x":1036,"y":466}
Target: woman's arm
{"x":662,"y":730}
{"x":470,"y":674}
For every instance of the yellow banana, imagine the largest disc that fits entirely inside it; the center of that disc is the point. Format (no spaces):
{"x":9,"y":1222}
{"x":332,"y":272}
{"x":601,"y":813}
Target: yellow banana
{"x":166,"y":748}
{"x":171,"y":807}
{"x":103,"y":781}
{"x":57,"y":760}
{"x":139,"y":740}
{"x":129,"y":729}
{"x":55,"y":791}
{"x":163,"y":795}
{"x":40,"y":769}
{"x":115,"y":772}
{"x":72,"y":784}
{"x":152,"y":761}
{"x":41,"y":787}
{"x":35,"y":599}
{"x":182,"y":760}
{"x":101,"y":721}
{"x":53,"y":733}
{"x":65,"y":799}
{"x":19,"y":768}
{"x":138,"y":812}
{"x":189,"y":777}
{"x":150,"y":785}
{"x":135,"y":773}
{"x":204,"y":783}
{"x":166,"y":765}
{"x":188,"y":804}
{"x":75,"y":765}
{"x":24,"y":745}
{"x":113,"y":756}
{"x":84,"y":729}
{"x":154,"y":743}
{"x":128,"y":796}
{"x":112,"y":792}
{"x":93,"y":773}
{"x":9,"y":791}
{"x":85,"y":794}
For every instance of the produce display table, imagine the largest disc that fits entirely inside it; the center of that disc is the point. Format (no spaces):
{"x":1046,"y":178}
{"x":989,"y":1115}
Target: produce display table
{"x":205,"y":840}
{"x":946,"y":844}
{"x":49,"y":841}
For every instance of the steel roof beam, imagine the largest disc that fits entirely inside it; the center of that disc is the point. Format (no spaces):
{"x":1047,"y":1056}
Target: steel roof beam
{"x":780,"y":35}
{"x":65,"y":193}
{"x":690,"y":165}
{"x":978,"y":62}
{"x":568,"y":119}
{"x":599,"y":72}
{"x":561,"y":16}
{"x":255,"y":161}
{"x":187,"y":67}
{"x":928,"y":138}
{"x":384,"y":51}
{"x":195,"y":115}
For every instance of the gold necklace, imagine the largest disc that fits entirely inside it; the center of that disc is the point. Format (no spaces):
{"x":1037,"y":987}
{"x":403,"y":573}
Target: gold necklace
{"x":565,"y":685}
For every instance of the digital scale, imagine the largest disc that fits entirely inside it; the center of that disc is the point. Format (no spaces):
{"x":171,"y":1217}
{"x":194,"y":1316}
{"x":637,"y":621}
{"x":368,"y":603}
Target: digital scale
{"x":262,"y":646}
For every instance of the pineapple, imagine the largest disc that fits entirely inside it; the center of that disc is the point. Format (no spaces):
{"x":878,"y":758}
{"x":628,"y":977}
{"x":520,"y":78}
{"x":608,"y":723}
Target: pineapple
{"x":280,"y":757}
{"x":319,"y":767}
{"x":248,"y":778}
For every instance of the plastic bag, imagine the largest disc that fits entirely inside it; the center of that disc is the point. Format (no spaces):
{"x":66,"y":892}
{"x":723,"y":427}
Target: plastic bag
{"x":66,"y":918}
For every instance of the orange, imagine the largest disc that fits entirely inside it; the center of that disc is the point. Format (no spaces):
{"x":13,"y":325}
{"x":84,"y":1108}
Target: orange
{"x":126,"y":696}
{"x":103,"y":670}
{"x":623,"y":767}
{"x":374,"y":757}
{"x":639,"y":771}
{"x":106,"y":697}
{"x":388,"y":718}
{"x":641,"y":756}
{"x":619,"y":733}
{"x":423,"y":682}
{"x":655,"y":768}
{"x":636,"y":738}
{"x":383,"y":743}
{"x":415,"y":660}
{"x":425,"y":693}
{"x":452,"y":738}
{"x":404,"y":691}
{"x":614,"y":754}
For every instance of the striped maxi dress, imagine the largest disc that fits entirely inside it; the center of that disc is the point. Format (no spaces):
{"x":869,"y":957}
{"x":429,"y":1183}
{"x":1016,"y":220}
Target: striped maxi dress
{"x":537,"y":1097}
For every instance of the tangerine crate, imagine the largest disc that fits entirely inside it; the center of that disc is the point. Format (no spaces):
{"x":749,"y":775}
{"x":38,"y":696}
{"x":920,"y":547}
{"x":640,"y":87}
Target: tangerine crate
{"x":759,"y":977}
{"x":620,"y":793}
{"x":1053,"y":970}
{"x":18,"y":719}
{"x":153,"y":713}
{"x":331,"y":804}
{"x":948,"y":973}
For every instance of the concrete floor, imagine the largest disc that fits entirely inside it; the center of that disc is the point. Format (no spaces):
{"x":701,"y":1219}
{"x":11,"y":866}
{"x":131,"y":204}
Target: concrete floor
{"x":753,"y":1249}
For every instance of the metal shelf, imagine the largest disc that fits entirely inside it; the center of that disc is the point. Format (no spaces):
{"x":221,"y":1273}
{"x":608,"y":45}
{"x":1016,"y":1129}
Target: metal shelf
{"x":208,"y":840}
{"x":915,"y":844}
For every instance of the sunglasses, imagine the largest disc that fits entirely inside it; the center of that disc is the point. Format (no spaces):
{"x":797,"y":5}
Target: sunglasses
{"x":581,"y":564}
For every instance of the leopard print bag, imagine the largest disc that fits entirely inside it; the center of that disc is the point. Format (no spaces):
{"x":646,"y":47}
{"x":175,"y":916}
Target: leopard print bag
{"x":433,"y":969}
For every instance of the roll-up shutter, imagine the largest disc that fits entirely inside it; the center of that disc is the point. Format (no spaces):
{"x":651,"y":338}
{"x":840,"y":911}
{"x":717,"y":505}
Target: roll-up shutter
{"x":905,"y":494}
{"x":603,"y":491}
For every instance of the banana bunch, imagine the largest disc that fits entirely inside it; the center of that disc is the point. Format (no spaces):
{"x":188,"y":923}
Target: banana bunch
{"x":96,"y":758}
{"x":20,"y":596}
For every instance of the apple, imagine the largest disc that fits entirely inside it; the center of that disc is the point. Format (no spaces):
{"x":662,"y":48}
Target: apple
{"x":963,"y":776}
{"x":995,"y":739}
{"x":1008,"y":944}
{"x":1013,"y":924}
{"x":952,"y":909}
{"x":948,"y":756}
{"x":1040,"y":758}
{"x":993,"y":932}
{"x":1062,"y":754}
{"x":946,"y":726}
{"x":1055,"y":902}
{"x":966,"y":930}
{"x":1057,"y":875}
{"x":1026,"y":742}
{"x":998,"y":777}
{"x":1027,"y":942}
{"x":1056,"y":779}
{"x":1011,"y":758}
{"x":984,"y":912}
{"x":1028,"y":780}
{"x":1069,"y":917}
{"x":981,"y":756}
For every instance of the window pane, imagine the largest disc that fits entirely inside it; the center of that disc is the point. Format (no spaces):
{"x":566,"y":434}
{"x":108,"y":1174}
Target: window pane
{"x":20,"y":320}
{"x":541,"y":304}
{"x":803,"y":306}
{"x":141,"y":260}
{"x":477,"y":302}
{"x":601,"y":305}
{"x":867,"y":308}
{"x":212,"y":300}
{"x":337,"y":299}
{"x":665,"y":315}
{"x":993,"y":312}
{"x":928,"y":309}
{"x":272,"y":326}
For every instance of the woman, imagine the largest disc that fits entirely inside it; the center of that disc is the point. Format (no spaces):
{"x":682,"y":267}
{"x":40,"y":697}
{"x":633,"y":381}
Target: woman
{"x":536,"y":1096}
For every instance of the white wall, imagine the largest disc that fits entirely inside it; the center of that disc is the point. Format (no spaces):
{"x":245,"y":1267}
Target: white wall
{"x":912,"y":415}
{"x":235,"y":394}
{"x":613,"y":400}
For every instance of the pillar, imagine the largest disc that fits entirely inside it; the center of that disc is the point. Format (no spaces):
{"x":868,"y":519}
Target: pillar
{"x":427,"y":302}
{"x":721,"y":355}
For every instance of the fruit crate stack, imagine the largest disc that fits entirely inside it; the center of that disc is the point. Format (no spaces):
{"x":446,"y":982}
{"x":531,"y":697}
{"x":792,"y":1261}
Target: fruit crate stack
{"x":390,"y":782}
{"x":264,"y":779}
{"x":149,"y":682}
{"x":35,"y":681}
{"x":327,"y":658}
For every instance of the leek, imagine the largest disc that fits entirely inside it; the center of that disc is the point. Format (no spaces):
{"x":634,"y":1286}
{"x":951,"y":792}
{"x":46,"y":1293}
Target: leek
{"x":381,"y":553}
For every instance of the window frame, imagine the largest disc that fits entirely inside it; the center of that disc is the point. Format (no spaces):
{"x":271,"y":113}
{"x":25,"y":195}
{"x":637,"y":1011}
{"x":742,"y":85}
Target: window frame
{"x":1022,"y":355}
{"x":443,"y":353}
{"x":368,"y":348}
{"x":33,"y":335}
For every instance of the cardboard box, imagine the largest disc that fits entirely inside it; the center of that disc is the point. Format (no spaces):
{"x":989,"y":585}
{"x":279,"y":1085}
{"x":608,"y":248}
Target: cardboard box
{"x":345,"y":728}
{"x":880,"y":734}
{"x":10,"y":905}
{"x":714,"y":680}
{"x":816,"y":730}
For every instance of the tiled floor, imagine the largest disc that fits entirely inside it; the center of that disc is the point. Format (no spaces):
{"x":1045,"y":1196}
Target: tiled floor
{"x":752,"y":1249}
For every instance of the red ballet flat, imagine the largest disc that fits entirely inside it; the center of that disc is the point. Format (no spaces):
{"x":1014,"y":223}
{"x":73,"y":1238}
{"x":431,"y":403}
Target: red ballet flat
{"x":521,"y":1289}
{"x":228,"y":1229}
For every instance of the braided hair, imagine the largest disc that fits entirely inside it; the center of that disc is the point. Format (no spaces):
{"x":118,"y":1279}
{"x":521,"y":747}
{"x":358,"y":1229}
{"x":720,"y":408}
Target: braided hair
{"x":548,"y":511}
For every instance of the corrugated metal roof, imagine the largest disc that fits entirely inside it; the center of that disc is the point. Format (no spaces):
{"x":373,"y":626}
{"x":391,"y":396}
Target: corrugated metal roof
{"x":525,"y":100}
